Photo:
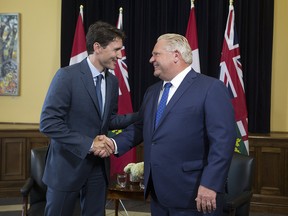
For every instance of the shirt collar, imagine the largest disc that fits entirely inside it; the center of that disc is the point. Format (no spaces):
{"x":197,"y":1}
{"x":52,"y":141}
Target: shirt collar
{"x":95,"y":72}
{"x":176,"y":81}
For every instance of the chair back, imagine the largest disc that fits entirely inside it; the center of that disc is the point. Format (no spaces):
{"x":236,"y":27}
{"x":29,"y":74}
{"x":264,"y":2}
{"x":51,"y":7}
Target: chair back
{"x":38,"y":157}
{"x":240,"y":174}
{"x":239,"y":183}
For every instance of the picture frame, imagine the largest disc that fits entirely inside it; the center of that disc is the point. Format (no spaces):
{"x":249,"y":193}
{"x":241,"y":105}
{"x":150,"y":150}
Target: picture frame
{"x":9,"y":54}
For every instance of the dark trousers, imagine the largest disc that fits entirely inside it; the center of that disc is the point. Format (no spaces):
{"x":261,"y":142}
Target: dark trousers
{"x":158,"y":209}
{"x":92,"y":197}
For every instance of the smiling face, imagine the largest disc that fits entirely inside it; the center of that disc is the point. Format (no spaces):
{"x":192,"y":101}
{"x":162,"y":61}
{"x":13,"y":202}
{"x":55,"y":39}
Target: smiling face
{"x":163,"y":61}
{"x":106,"y":57}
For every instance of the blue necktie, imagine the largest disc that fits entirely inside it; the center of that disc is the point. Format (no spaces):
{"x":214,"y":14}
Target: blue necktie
{"x":162,"y":103}
{"x":98,"y":91}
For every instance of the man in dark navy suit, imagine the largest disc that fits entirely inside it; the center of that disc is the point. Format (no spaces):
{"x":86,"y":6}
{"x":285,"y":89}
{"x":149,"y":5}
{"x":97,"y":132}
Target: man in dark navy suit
{"x":188,"y":148}
{"x":73,"y":114}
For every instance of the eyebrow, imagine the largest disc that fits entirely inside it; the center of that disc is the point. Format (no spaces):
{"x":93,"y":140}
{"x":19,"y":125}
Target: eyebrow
{"x":156,"y":53}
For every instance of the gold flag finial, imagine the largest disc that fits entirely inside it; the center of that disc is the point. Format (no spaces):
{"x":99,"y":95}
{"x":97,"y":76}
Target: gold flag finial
{"x":81,"y":7}
{"x":231,"y":2}
{"x":120,"y":10}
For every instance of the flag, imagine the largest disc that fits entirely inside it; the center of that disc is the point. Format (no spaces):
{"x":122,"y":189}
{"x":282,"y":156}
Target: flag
{"x":232,"y":76}
{"x":79,"y":51}
{"x":124,"y":106}
{"x":191,"y":35}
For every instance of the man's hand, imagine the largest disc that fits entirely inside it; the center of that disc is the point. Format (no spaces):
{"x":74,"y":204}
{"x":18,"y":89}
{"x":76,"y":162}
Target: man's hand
{"x":102,"y":146}
{"x":206,"y":200}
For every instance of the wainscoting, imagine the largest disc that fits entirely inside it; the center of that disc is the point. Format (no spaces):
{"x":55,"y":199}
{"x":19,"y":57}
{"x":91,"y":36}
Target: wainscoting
{"x":16,"y":141}
{"x":270,"y":152}
{"x":271,"y":172}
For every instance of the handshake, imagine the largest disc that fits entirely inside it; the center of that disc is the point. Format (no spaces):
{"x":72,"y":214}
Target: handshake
{"x":102,"y":146}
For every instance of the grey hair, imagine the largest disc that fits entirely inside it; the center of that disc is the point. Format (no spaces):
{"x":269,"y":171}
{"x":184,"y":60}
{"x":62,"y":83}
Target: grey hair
{"x":179,"y":43}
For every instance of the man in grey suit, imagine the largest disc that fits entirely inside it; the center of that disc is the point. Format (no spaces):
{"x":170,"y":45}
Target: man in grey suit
{"x":188,"y":148}
{"x":73,"y":114}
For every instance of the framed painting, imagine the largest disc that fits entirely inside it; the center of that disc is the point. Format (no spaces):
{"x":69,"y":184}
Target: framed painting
{"x":9,"y":54}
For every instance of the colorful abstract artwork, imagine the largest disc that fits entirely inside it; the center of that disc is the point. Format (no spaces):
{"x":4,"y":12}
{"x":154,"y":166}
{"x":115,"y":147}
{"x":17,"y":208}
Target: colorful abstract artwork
{"x":9,"y":54}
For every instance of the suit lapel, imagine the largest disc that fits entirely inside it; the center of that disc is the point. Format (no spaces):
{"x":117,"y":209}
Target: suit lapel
{"x":89,"y":83}
{"x":109,"y":85}
{"x":155,"y":97}
{"x":187,"y":81}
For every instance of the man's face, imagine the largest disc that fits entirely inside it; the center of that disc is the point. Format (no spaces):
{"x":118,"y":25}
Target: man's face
{"x":162,"y":60}
{"x":108,"y":56}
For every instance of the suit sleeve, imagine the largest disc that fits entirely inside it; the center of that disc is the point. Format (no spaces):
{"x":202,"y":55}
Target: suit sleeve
{"x":118,"y":121}
{"x":221,"y":132}
{"x":53,"y":120}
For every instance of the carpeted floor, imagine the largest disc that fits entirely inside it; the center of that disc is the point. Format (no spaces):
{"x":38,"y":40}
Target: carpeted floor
{"x":12,"y":207}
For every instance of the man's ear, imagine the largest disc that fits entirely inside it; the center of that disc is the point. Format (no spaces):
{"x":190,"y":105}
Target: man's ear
{"x":177,"y":56}
{"x":97,"y":47}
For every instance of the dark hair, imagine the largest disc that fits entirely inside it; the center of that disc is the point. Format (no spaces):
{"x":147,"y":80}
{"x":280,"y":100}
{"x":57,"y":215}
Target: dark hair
{"x":103,"y":33}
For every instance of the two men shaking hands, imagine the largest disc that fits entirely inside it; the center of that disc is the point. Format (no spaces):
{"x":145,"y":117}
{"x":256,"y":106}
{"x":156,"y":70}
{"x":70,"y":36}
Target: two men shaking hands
{"x":103,"y":146}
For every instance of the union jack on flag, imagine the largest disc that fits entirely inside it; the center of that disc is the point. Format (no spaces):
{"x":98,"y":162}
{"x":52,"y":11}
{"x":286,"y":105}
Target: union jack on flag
{"x":124,"y":106}
{"x":232,"y":76}
{"x":121,"y":72}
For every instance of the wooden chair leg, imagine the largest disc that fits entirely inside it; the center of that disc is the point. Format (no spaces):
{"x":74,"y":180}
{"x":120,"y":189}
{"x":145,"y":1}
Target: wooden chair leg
{"x":116,"y":206}
{"x":24,"y":206}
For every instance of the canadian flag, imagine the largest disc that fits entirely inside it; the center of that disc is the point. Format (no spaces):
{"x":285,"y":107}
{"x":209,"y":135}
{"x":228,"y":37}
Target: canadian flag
{"x":79,"y":51}
{"x":124,"y":105}
{"x":191,"y":35}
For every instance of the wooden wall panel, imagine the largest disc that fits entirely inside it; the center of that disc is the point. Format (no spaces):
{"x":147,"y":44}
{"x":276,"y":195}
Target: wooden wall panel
{"x":271,"y":174}
{"x":13,"y":159}
{"x":271,"y":166}
{"x":16,"y":141}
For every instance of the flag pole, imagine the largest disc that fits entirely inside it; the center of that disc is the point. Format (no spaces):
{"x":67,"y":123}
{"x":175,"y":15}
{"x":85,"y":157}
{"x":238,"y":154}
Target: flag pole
{"x":79,"y":51}
{"x":81,"y":11}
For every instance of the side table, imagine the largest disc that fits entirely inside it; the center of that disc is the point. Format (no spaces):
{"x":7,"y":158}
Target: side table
{"x":132,"y":191}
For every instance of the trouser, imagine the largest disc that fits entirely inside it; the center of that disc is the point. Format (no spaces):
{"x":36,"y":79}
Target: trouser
{"x":92,"y":197}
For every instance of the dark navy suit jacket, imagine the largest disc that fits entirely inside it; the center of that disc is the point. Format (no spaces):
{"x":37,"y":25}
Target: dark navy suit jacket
{"x":70,"y":117}
{"x":193,"y":143}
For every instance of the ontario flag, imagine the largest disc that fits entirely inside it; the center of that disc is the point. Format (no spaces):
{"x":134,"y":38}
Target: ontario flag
{"x":232,"y":76}
{"x":191,"y":35}
{"x":124,"y":106}
{"x":79,"y":51}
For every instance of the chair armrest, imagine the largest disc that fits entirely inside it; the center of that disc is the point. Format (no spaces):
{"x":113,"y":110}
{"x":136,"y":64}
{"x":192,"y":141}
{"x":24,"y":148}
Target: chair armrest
{"x":26,"y":188}
{"x":235,"y":202}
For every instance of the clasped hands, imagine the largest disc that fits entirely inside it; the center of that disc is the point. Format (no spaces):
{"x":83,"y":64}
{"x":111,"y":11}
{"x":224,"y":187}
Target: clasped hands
{"x":102,"y":146}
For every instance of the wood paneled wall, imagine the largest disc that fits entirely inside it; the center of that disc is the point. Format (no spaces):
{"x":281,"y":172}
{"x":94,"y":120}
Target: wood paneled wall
{"x":16,"y":141}
{"x":270,"y":185}
{"x":270,"y":151}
